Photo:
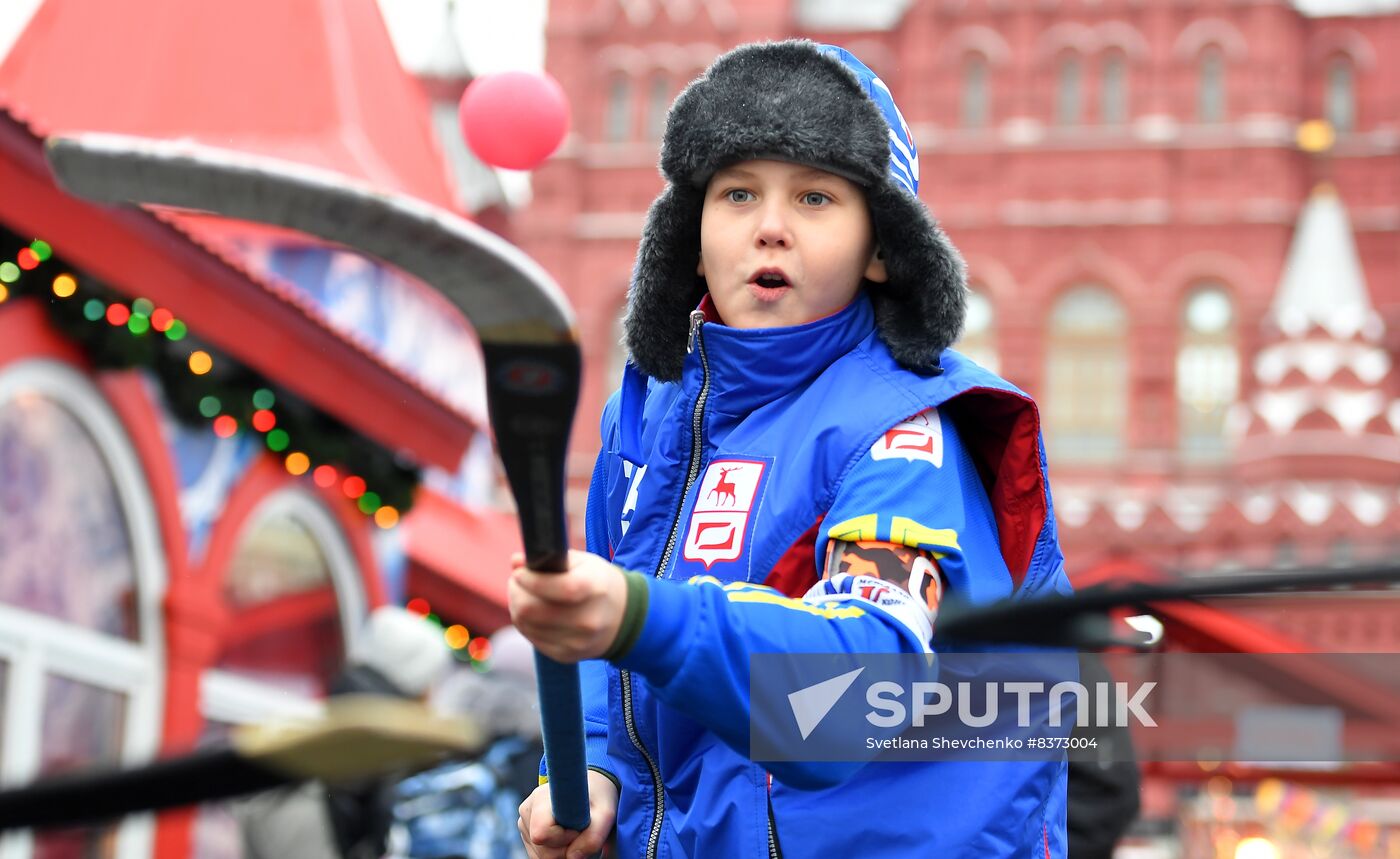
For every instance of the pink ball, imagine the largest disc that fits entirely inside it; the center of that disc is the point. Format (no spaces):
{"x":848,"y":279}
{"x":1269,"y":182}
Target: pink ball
{"x":514,"y":120}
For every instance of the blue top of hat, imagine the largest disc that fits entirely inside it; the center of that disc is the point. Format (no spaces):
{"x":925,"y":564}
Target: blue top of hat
{"x":904,"y":155}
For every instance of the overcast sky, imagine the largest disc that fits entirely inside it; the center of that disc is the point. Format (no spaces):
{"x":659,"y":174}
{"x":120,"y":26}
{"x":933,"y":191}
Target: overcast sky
{"x":492,"y":34}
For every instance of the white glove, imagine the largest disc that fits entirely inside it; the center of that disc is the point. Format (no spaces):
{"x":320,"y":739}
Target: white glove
{"x":890,"y":598}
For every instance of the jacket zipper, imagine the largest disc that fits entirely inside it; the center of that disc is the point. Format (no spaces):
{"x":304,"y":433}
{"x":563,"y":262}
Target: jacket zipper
{"x":697,"y":319}
{"x":772,"y":838}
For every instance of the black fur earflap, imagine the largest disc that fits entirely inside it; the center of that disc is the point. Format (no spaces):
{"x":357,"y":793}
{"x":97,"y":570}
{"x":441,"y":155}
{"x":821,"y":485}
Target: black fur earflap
{"x":788,"y":101}
{"x":665,"y":287}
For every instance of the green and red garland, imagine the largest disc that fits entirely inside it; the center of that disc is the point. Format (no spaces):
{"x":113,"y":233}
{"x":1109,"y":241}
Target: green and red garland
{"x":203,"y":386}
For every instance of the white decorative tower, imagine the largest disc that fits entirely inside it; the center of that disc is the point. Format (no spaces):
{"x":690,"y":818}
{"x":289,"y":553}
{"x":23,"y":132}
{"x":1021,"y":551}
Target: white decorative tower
{"x":1318,"y":432}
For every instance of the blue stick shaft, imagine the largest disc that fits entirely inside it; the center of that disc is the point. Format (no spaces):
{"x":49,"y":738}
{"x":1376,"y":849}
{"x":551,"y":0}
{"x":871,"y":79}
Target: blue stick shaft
{"x":560,"y":707}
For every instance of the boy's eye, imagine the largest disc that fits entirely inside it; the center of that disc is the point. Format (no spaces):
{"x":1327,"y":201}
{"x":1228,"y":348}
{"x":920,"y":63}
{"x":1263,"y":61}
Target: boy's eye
{"x":738,"y":195}
{"x":815,"y":198}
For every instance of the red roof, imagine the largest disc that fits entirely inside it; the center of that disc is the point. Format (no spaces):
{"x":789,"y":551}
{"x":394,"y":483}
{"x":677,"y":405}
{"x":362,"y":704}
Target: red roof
{"x":315,"y":82}
{"x":460,"y":560}
{"x":264,"y":324}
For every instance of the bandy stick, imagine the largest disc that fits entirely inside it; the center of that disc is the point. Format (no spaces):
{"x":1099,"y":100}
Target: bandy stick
{"x":360,"y":735}
{"x":520,"y":316}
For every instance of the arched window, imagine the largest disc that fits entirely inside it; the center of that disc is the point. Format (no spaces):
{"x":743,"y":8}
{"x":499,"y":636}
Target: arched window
{"x":979,"y":334}
{"x":64,"y":547}
{"x":1207,"y":371}
{"x":1210,"y":85}
{"x":82,"y":577}
{"x":1340,"y":107}
{"x":291,"y":588}
{"x":1113,"y":90}
{"x":1086,"y":397}
{"x":975,"y":108}
{"x":1069,"y":85}
{"x":618,"y":125}
{"x":658,"y":103}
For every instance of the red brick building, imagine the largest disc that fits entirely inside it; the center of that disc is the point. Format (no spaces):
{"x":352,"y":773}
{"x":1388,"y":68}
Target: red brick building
{"x":1127,"y":184}
{"x":1199,"y":283}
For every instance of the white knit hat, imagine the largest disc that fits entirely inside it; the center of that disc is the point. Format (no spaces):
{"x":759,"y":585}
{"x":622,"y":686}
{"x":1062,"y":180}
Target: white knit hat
{"x":512,"y":655}
{"x":404,"y":647}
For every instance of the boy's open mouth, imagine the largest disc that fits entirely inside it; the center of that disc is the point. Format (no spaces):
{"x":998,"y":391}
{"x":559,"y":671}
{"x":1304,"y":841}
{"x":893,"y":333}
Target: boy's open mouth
{"x":769,"y":283}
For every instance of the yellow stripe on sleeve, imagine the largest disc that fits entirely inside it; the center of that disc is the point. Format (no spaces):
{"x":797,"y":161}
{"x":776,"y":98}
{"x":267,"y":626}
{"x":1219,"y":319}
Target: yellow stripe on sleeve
{"x":857,"y":529}
{"x":747,"y":592}
{"x":907,"y":532}
{"x":730,"y":586}
{"x":774,"y":598}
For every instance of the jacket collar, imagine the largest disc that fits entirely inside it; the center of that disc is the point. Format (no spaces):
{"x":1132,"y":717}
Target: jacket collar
{"x":749,"y":367}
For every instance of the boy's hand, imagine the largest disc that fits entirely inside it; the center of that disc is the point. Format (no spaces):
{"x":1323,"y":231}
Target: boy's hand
{"x":569,"y":616}
{"x":545,"y":839}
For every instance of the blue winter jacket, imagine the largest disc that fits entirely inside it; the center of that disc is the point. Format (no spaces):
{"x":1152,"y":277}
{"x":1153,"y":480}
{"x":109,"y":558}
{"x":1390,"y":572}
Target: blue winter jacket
{"x":773,"y":442}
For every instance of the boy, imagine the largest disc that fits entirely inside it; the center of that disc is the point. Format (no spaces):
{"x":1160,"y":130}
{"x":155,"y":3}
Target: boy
{"x":801,"y":435}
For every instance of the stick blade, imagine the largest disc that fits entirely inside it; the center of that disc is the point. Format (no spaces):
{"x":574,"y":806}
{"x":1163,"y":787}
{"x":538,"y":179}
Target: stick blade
{"x":360,"y":736}
{"x":505,"y":295}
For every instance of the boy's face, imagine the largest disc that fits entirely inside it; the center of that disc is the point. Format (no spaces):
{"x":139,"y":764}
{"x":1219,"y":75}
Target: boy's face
{"x":783,"y":244}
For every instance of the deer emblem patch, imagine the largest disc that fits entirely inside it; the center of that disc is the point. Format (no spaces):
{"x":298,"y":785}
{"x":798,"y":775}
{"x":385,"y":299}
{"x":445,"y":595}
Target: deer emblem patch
{"x":723,"y":489}
{"x":722,"y":507}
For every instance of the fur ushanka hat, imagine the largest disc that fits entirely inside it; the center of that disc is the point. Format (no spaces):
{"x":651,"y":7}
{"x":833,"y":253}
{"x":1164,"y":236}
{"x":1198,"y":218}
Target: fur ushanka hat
{"x":809,"y":104}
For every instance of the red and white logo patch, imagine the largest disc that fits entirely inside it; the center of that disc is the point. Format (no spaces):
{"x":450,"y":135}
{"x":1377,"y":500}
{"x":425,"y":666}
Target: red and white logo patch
{"x":919,"y":438}
{"x":721,"y":514}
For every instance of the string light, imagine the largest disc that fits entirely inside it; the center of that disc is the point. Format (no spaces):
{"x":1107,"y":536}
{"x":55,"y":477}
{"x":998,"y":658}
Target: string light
{"x":418,"y":605}
{"x":141,"y":316}
{"x":456,"y":636}
{"x":298,"y":463}
{"x":225,"y":426}
{"x":353,"y":487}
{"x":64,"y":286}
{"x":4,"y":293}
{"x":480,"y":649}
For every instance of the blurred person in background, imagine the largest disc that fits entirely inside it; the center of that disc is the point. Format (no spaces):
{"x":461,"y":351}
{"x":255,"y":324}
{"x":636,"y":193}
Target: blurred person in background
{"x":1104,"y":792}
{"x":468,"y":810}
{"x":399,"y":654}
